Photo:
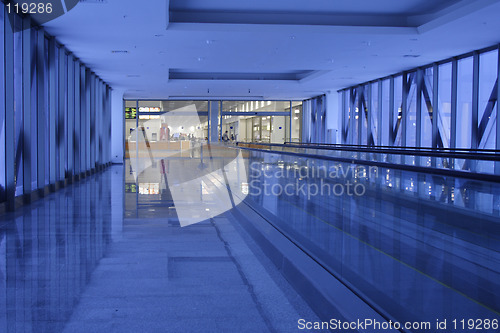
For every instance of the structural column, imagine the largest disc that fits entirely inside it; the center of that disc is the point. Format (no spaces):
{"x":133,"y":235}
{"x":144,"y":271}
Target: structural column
{"x":213,"y":121}
{"x":41,"y":112}
{"x":26,"y":89}
{"x":10,"y":185}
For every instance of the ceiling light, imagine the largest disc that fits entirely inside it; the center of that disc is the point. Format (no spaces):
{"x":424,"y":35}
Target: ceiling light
{"x":411,"y":56}
{"x":119,"y":51}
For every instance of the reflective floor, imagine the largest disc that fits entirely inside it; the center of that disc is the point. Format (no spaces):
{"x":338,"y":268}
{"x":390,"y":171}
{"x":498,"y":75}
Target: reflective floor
{"x":72,"y":263}
{"x":109,"y":254}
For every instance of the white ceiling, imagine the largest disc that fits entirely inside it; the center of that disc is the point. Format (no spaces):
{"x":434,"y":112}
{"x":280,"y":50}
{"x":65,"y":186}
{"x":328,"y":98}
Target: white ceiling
{"x":280,"y":49}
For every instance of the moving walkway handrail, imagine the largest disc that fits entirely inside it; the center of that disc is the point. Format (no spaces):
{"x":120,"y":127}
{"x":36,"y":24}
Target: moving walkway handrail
{"x":490,"y":177}
{"x":489,"y":155}
{"x":395,"y":147}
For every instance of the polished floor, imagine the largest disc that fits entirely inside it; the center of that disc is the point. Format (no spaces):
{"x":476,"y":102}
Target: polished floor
{"x":157,"y":245}
{"x":72,"y":263}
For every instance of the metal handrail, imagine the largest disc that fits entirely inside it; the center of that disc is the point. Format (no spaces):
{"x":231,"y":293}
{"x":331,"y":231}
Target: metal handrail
{"x":490,"y":155}
{"x":389,"y":165}
{"x":394,"y":147}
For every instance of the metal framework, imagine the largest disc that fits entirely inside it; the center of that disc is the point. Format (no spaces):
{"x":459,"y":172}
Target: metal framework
{"x":421,"y":101}
{"x":58,"y":106}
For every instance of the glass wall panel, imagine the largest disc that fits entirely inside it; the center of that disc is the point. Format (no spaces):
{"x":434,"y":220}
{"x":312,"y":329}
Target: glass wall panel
{"x":26,"y":62}
{"x":398,"y":110}
{"x":296,"y":135}
{"x":18,"y":104}
{"x":374,"y":115}
{"x":427,"y":114}
{"x":411,"y":112}
{"x":265,"y":129}
{"x":464,"y":103}
{"x":487,"y":112}
{"x":2,"y":104}
{"x":444,"y":99}
{"x":346,"y":116}
{"x":419,"y":93}
{"x":385,"y":112}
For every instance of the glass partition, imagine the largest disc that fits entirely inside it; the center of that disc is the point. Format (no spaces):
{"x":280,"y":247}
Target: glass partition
{"x":361,"y":224}
{"x":436,"y":106}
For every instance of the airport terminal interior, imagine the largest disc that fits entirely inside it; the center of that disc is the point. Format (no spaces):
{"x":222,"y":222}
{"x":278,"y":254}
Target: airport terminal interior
{"x":249,"y":166}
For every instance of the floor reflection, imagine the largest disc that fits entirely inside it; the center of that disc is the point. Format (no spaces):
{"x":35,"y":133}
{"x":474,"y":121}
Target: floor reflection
{"x":49,"y":249}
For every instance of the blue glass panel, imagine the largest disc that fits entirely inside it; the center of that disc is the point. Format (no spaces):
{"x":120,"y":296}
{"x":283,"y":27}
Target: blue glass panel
{"x":444,"y":101}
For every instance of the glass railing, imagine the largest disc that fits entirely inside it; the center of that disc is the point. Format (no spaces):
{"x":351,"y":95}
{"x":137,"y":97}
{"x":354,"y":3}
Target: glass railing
{"x":417,"y":247}
{"x":459,"y":162}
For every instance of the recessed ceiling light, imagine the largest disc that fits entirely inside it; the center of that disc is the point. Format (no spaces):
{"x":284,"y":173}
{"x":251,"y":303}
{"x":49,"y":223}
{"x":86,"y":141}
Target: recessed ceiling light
{"x":133,"y":75}
{"x":158,"y":35}
{"x":119,"y":51}
{"x":411,"y":56}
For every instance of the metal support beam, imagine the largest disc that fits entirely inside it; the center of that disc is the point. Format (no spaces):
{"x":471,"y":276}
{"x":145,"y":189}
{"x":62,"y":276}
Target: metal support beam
{"x":77,"y":129}
{"x":454,"y":91}
{"x":83,"y":119}
{"x":497,"y":121}
{"x":369,"y":106}
{"x":435,"y":104}
{"x":392,"y":133}
{"x":10,"y":185}
{"x":475,"y":101}
{"x":290,"y":125}
{"x":418,"y":122}
{"x":70,"y":130}
{"x":361,"y":112}
{"x":343,"y":118}
{"x":88,"y":106}
{"x":26,"y":89}
{"x":61,"y":133}
{"x":52,"y":111}
{"x":379,"y":114}
{"x":92,"y":129}
{"x":41,"y":112}
{"x":404,"y":108}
